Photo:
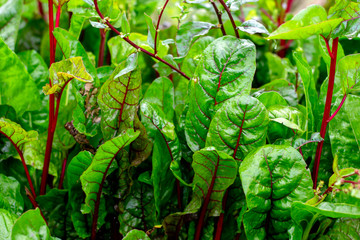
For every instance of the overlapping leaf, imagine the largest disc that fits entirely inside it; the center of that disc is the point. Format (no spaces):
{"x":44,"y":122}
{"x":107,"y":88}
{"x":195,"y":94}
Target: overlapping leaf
{"x":226,"y":70}
{"x":118,"y":100}
{"x":214,"y":171}
{"x":239,"y":126}
{"x":11,"y":199}
{"x":10,"y":17}
{"x":349,"y":11}
{"x":15,"y":133}
{"x":93,"y":178}
{"x":272,"y":178}
{"x":310,"y":21}
{"x":7,"y":220}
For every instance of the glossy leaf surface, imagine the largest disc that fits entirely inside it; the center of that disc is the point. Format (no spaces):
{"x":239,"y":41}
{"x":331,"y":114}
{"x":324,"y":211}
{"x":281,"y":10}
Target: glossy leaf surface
{"x":239,"y":126}
{"x":272,"y":178}
{"x":11,"y":199}
{"x":226,"y":70}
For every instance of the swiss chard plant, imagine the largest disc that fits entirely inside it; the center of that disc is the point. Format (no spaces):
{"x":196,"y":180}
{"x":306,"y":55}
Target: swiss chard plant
{"x":193,"y":119}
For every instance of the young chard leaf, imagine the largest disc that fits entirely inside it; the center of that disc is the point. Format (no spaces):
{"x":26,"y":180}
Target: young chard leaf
{"x":310,"y":21}
{"x":225,"y":70}
{"x":92,"y":180}
{"x":272,"y":178}
{"x":239,"y":126}
{"x":118,"y":100}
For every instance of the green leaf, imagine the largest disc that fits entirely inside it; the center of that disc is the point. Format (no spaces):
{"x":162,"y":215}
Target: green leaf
{"x":284,"y":88}
{"x":61,"y":73}
{"x":31,"y":224}
{"x":137,"y":211}
{"x":11,"y":199}
{"x":77,"y":166}
{"x":348,"y":71}
{"x":311,"y":96}
{"x":345,"y":140}
{"x":118,"y":100}
{"x":308,"y":22}
{"x":253,"y":27}
{"x":193,"y":57}
{"x":238,"y":127}
{"x":214,"y":171}
{"x":271,"y":98}
{"x":225,"y":70}
{"x":76,"y":25}
{"x":272,"y":178}
{"x":136,"y":235}
{"x":71,"y":48}
{"x":285,"y":120}
{"x":166,"y":149}
{"x":349,"y":11}
{"x":10,"y":17}
{"x":189,"y":32}
{"x":343,"y":228}
{"x":7,"y":221}
{"x":93,"y":178}
{"x":17,"y":86}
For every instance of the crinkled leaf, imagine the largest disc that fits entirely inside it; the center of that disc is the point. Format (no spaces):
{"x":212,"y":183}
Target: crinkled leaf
{"x":71,"y":48}
{"x":7,"y":220}
{"x":238,"y":127}
{"x":349,"y":72}
{"x":137,"y":211}
{"x":118,"y":100}
{"x":10,"y":17}
{"x":15,"y":133}
{"x":31,"y":223}
{"x":272,"y":178}
{"x":93,"y":178}
{"x":11,"y":199}
{"x":345,"y":140}
{"x":214,"y":171}
{"x":189,"y":32}
{"x":17,"y":86}
{"x":310,"y":21}
{"x":225,"y":70}
{"x":66,"y":70}
{"x":343,"y":228}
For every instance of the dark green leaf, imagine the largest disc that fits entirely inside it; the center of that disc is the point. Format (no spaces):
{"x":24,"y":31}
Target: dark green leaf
{"x":11,"y":199}
{"x":136,"y":235}
{"x":10,"y":16}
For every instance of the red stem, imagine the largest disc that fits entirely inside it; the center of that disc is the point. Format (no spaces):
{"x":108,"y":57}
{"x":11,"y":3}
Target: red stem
{"x":34,"y":203}
{"x":178,"y":190}
{"x":218,"y":14}
{"x":221,"y":218}
{"x":41,"y":9}
{"x":57,"y":22}
{"x":157,"y":26}
{"x":62,"y":173}
{"x":102,"y":47}
{"x":23,"y":163}
{"x":230,"y":17}
{"x":137,"y":46}
{"x":338,"y":109}
{"x":327,"y":109}
{"x":206,"y":203}
{"x":281,"y":19}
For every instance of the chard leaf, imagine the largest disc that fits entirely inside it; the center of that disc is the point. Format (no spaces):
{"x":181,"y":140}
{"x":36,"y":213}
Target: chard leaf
{"x":271,"y":98}
{"x":343,"y":228}
{"x":7,"y":220}
{"x":137,"y":211}
{"x":311,"y":96}
{"x":284,"y":121}
{"x":31,"y":223}
{"x":349,"y":11}
{"x":225,"y":70}
{"x":10,"y":17}
{"x":77,"y":167}
{"x":349,"y":73}
{"x":284,"y":88}
{"x":166,"y":149}
{"x":11,"y":199}
{"x":141,"y":148}
{"x":345,"y":140}
{"x":17,"y":86}
{"x":189,"y":32}
{"x":71,"y":48}
{"x":253,"y":27}
{"x":214,"y":171}
{"x":61,"y":73}
{"x":92,"y":180}
{"x":118,"y":100}
{"x":272,"y":178}
{"x":310,"y":21}
{"x":136,"y":234}
{"x":238,"y":127}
